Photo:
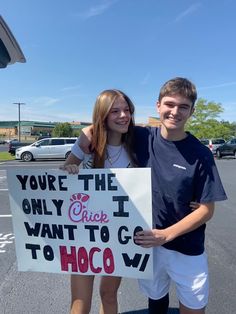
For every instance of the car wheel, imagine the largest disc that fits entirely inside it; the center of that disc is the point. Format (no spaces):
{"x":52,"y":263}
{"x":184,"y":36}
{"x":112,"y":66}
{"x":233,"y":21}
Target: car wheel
{"x":27,"y":156}
{"x":67,"y":155}
{"x":218,"y":154}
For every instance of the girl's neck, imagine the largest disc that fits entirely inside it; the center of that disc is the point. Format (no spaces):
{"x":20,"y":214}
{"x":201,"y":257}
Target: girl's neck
{"x":114,"y":139}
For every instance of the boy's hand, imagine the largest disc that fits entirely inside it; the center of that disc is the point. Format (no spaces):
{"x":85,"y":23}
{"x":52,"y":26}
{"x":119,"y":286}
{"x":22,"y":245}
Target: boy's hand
{"x":150,"y":238}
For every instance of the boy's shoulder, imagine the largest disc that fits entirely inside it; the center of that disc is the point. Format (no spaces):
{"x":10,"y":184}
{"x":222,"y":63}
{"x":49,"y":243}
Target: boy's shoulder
{"x":195,"y":150}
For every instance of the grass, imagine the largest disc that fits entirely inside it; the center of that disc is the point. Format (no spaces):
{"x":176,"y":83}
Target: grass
{"x":6,"y":156}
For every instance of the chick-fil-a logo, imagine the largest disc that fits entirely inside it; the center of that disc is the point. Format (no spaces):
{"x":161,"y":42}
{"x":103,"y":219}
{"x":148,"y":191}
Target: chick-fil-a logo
{"x":78,"y":211}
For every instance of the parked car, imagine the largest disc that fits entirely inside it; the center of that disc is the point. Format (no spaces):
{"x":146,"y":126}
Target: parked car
{"x":213,"y":143}
{"x":14,"y":144}
{"x":11,"y":140}
{"x":41,"y":137}
{"x":48,"y":148}
{"x":227,"y":149}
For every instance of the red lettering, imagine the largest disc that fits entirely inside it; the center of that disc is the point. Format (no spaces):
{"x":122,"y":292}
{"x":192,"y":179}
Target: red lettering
{"x":83,"y":261}
{"x":68,"y":258}
{"x":108,"y":261}
{"x":91,"y":253}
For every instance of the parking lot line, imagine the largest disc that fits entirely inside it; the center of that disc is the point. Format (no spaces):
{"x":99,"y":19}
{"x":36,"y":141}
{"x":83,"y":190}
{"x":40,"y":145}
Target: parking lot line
{"x":5,"y":216}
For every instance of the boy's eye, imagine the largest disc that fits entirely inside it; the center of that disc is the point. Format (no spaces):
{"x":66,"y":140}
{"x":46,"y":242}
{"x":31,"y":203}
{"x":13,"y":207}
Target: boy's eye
{"x":169,"y":104}
{"x":185,"y":107}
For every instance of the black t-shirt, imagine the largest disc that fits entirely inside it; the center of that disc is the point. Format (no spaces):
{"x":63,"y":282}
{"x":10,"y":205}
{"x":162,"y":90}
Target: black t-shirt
{"x":182,"y":171}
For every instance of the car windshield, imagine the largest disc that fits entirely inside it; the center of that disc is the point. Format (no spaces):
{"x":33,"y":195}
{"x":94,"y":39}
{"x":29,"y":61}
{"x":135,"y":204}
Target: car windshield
{"x":42,"y":143}
{"x":204,"y":142}
{"x":218,"y":141}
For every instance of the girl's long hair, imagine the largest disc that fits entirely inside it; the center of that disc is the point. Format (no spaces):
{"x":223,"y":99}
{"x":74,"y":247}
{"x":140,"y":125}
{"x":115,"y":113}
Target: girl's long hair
{"x":103,"y":104}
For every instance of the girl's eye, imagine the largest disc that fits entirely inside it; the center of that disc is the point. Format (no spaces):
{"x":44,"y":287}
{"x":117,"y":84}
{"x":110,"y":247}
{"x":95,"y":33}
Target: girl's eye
{"x":117,"y":111}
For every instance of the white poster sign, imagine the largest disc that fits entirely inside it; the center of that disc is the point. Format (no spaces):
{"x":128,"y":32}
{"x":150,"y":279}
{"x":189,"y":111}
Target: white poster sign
{"x":81,"y":224}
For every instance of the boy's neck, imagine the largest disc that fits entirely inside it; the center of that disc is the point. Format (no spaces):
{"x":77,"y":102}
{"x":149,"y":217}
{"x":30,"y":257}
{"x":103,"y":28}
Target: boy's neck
{"x":173,"y":135}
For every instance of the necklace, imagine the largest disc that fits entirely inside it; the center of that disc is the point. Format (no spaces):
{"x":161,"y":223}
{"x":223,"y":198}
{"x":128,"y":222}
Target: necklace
{"x":115,"y":157}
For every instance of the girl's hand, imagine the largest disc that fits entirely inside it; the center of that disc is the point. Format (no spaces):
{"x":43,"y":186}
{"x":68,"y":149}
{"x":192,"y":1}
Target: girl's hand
{"x":194,"y":205}
{"x":70,"y":168}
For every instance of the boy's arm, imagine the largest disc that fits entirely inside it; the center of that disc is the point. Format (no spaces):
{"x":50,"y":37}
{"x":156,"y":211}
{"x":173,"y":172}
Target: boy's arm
{"x":85,"y":139}
{"x":71,"y":164}
{"x":156,"y":237}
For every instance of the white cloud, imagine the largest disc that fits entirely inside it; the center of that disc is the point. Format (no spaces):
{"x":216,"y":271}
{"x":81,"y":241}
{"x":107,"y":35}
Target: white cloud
{"x":71,"y":88}
{"x":217,"y":85}
{"x":187,"y":12}
{"x":45,"y":101}
{"x":97,"y":9}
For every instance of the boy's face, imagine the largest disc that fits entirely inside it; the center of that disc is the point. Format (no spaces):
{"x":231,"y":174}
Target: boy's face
{"x":174,"y":112}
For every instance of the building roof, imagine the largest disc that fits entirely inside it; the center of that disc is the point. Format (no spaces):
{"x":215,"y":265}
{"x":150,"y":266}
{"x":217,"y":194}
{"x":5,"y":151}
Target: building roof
{"x":13,"y":124}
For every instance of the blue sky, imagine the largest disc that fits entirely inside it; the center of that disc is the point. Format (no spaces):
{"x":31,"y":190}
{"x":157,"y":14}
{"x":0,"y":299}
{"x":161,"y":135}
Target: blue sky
{"x":77,"y":48}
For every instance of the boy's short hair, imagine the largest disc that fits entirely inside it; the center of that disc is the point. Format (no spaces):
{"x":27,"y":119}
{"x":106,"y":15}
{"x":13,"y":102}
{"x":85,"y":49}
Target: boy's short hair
{"x":179,"y":86}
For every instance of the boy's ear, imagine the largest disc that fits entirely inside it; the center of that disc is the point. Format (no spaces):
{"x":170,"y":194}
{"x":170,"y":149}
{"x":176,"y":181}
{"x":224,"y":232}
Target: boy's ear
{"x":158,"y":106}
{"x":192,"y":111}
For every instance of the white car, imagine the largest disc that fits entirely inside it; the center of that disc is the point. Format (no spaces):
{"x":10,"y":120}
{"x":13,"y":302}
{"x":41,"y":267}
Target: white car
{"x":48,"y":148}
{"x":213,"y":143}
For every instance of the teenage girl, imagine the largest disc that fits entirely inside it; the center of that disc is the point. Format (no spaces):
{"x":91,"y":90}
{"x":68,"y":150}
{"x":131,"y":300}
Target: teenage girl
{"x":113,"y":124}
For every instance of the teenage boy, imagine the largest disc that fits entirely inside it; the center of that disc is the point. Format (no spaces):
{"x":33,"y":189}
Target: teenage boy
{"x":183,"y":170}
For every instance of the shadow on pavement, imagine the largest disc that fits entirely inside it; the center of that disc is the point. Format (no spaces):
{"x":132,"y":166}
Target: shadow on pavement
{"x":145,"y":311}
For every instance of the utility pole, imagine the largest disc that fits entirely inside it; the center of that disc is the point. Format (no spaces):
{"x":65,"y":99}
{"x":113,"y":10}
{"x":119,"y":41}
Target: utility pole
{"x":19,"y":104}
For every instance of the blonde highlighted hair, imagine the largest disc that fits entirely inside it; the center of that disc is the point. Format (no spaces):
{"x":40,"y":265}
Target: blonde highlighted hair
{"x":103,"y":104}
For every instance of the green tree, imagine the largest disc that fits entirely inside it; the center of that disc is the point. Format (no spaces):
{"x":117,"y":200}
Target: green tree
{"x":62,"y":129}
{"x":204,"y":123}
{"x":77,"y":133}
{"x":231,"y":127}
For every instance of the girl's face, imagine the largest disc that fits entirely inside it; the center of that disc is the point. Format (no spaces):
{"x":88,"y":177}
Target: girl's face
{"x":119,"y":116}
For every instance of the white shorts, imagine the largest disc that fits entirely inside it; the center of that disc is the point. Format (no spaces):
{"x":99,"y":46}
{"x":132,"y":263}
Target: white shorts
{"x":189,"y":273}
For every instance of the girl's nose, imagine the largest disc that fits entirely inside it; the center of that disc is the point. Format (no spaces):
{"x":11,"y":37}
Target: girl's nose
{"x":122,"y":113}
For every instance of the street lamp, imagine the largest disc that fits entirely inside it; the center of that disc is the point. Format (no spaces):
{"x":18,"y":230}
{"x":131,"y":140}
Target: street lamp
{"x":19,"y":104}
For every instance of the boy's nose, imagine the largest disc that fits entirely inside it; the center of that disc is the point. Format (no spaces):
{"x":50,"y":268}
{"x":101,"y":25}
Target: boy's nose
{"x":175,"y":110}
